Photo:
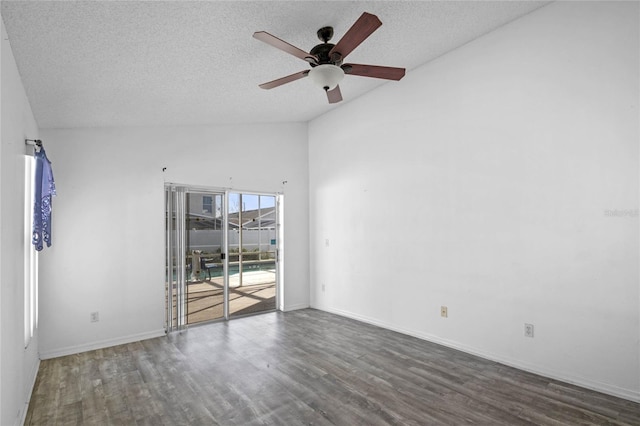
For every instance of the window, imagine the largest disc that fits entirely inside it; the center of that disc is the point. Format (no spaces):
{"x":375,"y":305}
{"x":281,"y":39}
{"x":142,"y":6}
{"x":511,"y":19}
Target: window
{"x":30,"y":254}
{"x":207,"y":204}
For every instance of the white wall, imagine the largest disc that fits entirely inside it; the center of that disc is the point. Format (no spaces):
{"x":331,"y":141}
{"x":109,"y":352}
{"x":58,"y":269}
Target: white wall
{"x":482,"y":182}
{"x":108,"y":220}
{"x":18,"y":366}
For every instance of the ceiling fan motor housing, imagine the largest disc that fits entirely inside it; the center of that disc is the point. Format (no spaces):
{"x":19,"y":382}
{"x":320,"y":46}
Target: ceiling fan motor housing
{"x":321,"y":52}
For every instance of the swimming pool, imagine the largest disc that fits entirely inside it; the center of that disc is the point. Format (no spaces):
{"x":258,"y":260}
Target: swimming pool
{"x":214,"y":270}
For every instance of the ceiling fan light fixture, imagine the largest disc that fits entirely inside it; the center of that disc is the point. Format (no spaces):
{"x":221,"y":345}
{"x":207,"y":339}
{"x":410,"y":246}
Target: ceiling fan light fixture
{"x":326,"y":76}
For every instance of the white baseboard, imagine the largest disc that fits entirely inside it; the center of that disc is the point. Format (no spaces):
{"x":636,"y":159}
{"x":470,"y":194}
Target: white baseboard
{"x":616,"y":391}
{"x":295,"y":307}
{"x":101,"y":344}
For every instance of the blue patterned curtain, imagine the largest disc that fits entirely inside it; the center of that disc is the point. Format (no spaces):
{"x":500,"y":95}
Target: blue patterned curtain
{"x":45,"y":188}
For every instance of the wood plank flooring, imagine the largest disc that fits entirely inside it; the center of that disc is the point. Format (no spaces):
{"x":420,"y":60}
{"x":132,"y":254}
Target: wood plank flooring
{"x":304,"y":367}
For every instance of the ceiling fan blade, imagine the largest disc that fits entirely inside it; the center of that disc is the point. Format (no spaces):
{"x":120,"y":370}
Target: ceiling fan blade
{"x":284,"y":46}
{"x":359,"y":31}
{"x":284,"y":80}
{"x":334,"y":95}
{"x":375,"y":71}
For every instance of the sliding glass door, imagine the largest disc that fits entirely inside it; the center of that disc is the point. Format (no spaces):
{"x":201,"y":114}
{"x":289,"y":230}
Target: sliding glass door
{"x":195,"y":260}
{"x":221,"y":251}
{"x":252,"y":253}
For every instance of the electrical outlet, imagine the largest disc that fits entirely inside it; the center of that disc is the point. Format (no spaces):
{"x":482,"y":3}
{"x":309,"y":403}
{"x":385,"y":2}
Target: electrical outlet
{"x":323,"y":288}
{"x":528,"y":330}
{"x":95,"y":317}
{"x":444,"y":313}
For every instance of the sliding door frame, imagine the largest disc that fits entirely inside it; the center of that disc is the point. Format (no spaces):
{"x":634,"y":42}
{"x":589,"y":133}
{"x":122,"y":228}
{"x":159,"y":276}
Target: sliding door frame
{"x":175,"y":251}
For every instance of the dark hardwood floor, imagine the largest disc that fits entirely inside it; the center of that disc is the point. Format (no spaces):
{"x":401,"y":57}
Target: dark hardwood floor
{"x":304,"y":368}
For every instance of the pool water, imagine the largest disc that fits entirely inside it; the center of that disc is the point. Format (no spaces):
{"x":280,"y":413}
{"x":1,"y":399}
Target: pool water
{"x":216,"y":270}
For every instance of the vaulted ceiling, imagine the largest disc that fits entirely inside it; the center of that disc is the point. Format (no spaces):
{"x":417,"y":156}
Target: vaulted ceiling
{"x":149,"y":63}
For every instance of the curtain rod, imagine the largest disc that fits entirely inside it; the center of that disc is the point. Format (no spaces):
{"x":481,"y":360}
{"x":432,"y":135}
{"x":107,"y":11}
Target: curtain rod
{"x":33,"y":142}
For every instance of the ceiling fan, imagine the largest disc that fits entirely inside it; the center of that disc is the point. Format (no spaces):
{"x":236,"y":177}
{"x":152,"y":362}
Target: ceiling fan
{"x":327,"y":69}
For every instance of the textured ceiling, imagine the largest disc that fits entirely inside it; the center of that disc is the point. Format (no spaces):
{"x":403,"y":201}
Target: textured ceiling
{"x":139,"y":63}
